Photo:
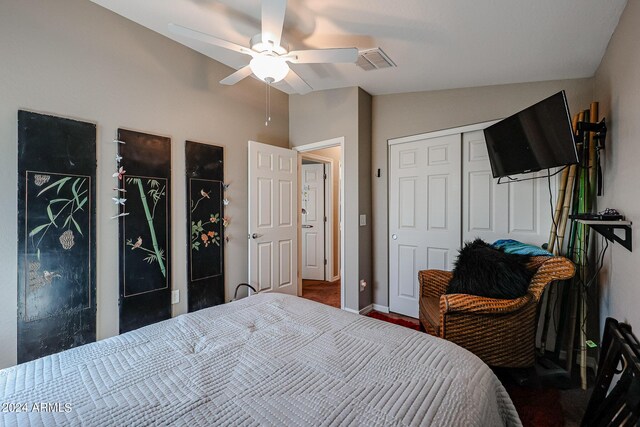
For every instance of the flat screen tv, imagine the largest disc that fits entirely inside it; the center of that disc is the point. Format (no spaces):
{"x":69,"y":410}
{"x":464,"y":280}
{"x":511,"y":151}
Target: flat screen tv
{"x":538,"y":137}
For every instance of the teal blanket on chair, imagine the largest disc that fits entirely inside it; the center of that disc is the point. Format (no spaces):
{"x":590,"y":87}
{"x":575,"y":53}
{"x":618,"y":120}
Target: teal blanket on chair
{"x":514,"y":247}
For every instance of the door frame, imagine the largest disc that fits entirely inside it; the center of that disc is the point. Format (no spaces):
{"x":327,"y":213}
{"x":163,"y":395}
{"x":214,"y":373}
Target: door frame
{"x":334,"y":142}
{"x":328,"y":211}
{"x":443,"y":132}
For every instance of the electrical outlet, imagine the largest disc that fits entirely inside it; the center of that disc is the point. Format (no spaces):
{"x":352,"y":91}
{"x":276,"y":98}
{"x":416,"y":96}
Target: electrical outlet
{"x":175,"y":296}
{"x":363,"y":285}
{"x":363,"y":220}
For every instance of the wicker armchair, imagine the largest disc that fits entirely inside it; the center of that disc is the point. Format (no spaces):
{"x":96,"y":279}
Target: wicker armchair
{"x":499,"y":331}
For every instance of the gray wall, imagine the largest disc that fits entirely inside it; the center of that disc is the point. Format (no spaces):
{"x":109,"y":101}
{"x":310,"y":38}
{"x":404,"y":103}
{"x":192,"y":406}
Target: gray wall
{"x":364,"y":195}
{"x":323,"y":115}
{"x":617,"y":85}
{"x":414,"y":113}
{"x":76,"y":59}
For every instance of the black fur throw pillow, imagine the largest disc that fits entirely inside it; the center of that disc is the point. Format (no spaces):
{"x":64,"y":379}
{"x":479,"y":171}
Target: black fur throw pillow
{"x":485,"y":271}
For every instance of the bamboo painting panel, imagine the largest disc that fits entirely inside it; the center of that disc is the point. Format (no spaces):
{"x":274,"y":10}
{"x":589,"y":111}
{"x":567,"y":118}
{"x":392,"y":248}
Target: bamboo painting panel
{"x":145,"y":242}
{"x":205,"y":225}
{"x":145,"y":231}
{"x":56,"y":237}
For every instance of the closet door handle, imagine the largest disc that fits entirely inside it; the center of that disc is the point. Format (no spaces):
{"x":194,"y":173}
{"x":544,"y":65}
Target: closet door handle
{"x":394,"y":236}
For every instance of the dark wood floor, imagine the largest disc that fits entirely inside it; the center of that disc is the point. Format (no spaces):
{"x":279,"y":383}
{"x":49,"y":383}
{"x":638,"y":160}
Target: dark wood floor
{"x":322,"y":291}
{"x":402,"y":317}
{"x":329,"y":293}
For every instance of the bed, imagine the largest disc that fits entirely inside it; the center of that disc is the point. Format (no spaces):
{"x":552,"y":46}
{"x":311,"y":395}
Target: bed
{"x":269,"y":359}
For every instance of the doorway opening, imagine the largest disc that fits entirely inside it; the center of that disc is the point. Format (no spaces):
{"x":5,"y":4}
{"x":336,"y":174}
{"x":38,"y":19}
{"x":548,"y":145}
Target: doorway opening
{"x":320,"y":234}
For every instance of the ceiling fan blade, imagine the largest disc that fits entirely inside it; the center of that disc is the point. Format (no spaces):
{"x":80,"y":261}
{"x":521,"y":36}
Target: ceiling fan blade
{"x":208,"y":38}
{"x":318,"y":56}
{"x":237,"y":76}
{"x":273,"y":12}
{"x":297,"y":84}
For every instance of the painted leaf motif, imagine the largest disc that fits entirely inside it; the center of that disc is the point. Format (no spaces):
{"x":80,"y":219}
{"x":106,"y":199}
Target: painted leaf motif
{"x":74,"y":189}
{"x":37,"y":230}
{"x":77,"y":226}
{"x":51,"y":218}
{"x":151,"y":258}
{"x":59,"y":183}
{"x":81,"y":204}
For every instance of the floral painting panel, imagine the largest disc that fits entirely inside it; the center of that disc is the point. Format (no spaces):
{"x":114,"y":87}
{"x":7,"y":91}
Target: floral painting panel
{"x":206,"y":223}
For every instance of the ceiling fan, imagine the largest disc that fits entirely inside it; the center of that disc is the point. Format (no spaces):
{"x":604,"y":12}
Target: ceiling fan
{"x":268,"y":51}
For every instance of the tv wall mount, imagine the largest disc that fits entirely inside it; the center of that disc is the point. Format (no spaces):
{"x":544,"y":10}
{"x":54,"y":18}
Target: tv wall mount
{"x":600,"y":130}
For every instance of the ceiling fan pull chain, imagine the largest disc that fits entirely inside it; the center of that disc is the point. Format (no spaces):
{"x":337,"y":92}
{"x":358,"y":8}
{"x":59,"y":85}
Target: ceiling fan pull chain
{"x":267,"y":113}
{"x":266,"y":102}
{"x":269,"y":103}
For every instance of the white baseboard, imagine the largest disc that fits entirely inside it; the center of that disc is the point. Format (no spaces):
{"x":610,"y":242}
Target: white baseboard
{"x":335,"y":279}
{"x":363,"y":311}
{"x":381,"y":308}
{"x":366,"y":310}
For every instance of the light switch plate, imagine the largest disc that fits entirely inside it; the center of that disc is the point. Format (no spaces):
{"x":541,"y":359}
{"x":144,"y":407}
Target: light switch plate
{"x":175,"y":296}
{"x":363,"y":220}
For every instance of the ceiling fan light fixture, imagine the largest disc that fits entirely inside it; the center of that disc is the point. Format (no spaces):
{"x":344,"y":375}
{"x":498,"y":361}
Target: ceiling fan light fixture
{"x":270,"y":69}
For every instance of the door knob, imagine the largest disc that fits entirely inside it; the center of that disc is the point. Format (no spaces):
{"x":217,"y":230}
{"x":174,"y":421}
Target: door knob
{"x":255,"y":236}
{"x":307,"y":226}
{"x":394,"y":236}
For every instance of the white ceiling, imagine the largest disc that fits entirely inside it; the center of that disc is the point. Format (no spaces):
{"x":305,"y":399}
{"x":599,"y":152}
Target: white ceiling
{"x":437,"y":44}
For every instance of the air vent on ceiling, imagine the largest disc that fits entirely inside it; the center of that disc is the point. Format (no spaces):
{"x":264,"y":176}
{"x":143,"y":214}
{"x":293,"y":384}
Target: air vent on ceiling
{"x":374,"y":59}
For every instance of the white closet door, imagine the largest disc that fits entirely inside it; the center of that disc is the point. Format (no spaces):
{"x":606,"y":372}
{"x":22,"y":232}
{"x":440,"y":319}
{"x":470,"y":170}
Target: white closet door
{"x":519,"y":210}
{"x":424,"y":214}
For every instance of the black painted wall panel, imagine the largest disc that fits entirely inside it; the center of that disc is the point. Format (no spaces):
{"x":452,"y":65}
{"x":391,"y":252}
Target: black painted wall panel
{"x":56,"y":234}
{"x":205,"y":229}
{"x":145,"y":233}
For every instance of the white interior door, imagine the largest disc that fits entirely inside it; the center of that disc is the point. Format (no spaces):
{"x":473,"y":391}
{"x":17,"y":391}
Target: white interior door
{"x":518,"y":210}
{"x":313,"y":222}
{"x":273,"y":190}
{"x":424,"y":214}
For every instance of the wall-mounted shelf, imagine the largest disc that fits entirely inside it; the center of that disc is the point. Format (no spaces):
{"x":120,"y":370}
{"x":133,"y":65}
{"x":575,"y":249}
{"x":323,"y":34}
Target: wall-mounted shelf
{"x":606,"y":228}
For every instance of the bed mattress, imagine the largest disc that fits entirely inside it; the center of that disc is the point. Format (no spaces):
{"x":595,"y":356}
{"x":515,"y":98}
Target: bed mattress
{"x":269,"y":359}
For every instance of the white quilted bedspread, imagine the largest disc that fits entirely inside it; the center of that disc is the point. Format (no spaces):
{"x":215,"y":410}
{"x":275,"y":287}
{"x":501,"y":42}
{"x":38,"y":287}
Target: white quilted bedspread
{"x":270,"y":359}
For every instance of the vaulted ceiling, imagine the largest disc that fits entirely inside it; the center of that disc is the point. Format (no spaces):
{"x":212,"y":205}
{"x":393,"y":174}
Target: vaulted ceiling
{"x":436,"y":44}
